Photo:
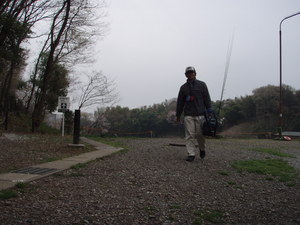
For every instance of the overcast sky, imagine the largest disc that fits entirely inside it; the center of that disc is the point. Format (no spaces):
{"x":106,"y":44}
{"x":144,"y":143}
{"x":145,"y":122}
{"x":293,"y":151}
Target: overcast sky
{"x":151,"y":42}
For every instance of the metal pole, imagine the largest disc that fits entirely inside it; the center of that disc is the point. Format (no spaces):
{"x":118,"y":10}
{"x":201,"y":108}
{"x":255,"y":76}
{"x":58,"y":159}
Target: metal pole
{"x":63,"y":125}
{"x":280,"y":74}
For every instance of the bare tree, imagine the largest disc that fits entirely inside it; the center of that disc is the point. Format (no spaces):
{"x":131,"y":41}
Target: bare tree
{"x":73,"y":30}
{"x":99,"y":90}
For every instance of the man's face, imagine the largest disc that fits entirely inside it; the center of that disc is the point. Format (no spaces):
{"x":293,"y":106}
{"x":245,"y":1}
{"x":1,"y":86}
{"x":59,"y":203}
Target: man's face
{"x":190,"y":75}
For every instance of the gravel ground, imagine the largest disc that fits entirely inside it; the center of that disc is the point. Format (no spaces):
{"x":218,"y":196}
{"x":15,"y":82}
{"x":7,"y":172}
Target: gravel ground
{"x":151,"y":183}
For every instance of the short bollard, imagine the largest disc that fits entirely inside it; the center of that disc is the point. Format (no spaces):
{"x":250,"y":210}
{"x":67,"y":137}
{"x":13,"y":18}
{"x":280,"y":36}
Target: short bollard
{"x":76,"y":134}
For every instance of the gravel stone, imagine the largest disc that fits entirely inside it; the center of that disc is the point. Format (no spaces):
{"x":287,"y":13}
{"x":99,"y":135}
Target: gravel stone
{"x":151,"y":183}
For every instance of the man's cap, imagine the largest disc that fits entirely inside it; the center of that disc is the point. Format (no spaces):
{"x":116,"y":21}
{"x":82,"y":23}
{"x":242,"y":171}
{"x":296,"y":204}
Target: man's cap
{"x":190,"y":69}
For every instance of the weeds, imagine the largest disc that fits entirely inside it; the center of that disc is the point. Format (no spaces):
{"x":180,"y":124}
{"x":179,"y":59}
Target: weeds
{"x":51,"y":159}
{"x":76,"y":175}
{"x":213,"y":216}
{"x":6,"y":194}
{"x":175,"y":206}
{"x":79,"y":165}
{"x":21,"y":185}
{"x":224,"y":173}
{"x":231,"y":183}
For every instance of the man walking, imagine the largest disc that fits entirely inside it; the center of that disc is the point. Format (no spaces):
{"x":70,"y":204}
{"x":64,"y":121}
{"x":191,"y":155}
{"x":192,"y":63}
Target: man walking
{"x":193,"y":100}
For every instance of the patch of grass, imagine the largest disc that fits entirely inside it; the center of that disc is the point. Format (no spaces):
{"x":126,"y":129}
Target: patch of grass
{"x":6,"y":194}
{"x":21,"y":185}
{"x":213,"y":216}
{"x":51,"y":159}
{"x":275,"y":167}
{"x":224,"y":173}
{"x":290,"y":184}
{"x":198,"y":221}
{"x":76,"y":175}
{"x":273,"y":152}
{"x":175,"y":206}
{"x":79,"y":165}
{"x":231,"y":183}
{"x":238,"y":187}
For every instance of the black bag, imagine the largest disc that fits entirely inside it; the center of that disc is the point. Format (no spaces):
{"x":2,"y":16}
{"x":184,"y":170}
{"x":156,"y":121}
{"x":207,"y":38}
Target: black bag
{"x":210,"y":124}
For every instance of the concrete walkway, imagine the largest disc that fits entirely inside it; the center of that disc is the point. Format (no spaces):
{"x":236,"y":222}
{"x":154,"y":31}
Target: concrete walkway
{"x":9,"y":180}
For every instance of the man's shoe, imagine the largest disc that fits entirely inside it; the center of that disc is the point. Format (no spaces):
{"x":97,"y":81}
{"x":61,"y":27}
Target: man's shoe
{"x":202,"y":154}
{"x":190,"y":158}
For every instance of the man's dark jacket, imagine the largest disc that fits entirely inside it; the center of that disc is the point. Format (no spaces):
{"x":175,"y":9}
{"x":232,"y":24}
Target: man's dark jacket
{"x":193,"y":99}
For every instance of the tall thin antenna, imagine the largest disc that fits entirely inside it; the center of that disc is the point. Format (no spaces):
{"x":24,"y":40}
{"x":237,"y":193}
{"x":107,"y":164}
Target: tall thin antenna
{"x":229,"y":50}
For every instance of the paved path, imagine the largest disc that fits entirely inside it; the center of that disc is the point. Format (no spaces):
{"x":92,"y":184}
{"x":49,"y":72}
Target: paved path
{"x":9,"y":180}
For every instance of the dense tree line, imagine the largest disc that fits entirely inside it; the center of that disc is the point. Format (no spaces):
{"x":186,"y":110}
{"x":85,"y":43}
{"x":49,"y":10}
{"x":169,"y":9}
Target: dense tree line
{"x":158,"y":119}
{"x":260,"y":110}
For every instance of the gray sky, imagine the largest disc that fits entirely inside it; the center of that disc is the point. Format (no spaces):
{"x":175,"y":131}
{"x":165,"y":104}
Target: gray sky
{"x":150,"y":43}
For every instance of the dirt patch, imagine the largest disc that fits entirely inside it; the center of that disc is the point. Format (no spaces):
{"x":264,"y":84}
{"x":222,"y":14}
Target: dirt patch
{"x":240,"y":130}
{"x":151,"y":183}
{"x":19,"y":150}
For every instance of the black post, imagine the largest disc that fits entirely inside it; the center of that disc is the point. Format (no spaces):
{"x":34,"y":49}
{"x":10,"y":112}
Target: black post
{"x":76,"y":127}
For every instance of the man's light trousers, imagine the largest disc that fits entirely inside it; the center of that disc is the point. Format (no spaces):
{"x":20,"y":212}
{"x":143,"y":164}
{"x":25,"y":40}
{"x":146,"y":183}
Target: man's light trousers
{"x":193,"y":134}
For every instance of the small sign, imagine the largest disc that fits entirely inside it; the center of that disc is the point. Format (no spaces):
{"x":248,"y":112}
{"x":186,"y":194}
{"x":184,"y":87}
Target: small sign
{"x":63,"y":104}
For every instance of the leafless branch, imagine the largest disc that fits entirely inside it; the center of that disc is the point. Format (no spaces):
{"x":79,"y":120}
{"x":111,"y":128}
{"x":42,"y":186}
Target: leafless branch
{"x":99,"y":90}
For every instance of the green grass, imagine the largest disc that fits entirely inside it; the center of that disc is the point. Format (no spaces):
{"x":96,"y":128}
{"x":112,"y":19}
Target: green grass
{"x":273,"y":152}
{"x":275,"y":167}
{"x":224,"y":173}
{"x":6,"y":194}
{"x":175,"y":206}
{"x":52,"y":159}
{"x":213,"y":216}
{"x":231,"y":183}
{"x":79,"y":165}
{"x":21,"y":185}
{"x":76,"y":175}
{"x":22,"y":188}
